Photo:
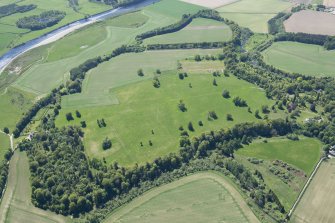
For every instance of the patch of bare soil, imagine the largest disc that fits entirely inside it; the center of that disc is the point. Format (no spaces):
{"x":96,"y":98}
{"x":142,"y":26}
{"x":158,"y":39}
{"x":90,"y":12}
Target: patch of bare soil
{"x":312,"y":22}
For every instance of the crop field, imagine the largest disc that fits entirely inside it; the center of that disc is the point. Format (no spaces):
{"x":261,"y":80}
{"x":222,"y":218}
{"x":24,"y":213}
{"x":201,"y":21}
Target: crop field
{"x":302,"y":154}
{"x":154,"y":114}
{"x":200,"y":30}
{"x":12,"y":104}
{"x":301,"y":58}
{"x":53,"y":68}
{"x":254,"y":14}
{"x":85,"y":8}
{"x":312,"y":22}
{"x":202,"y":197}
{"x":16,"y":205}
{"x":317,"y":203}
{"x":329,"y":3}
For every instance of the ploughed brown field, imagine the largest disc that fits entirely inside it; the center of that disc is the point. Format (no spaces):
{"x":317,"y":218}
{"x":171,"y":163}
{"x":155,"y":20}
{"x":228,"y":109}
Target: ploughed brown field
{"x":312,"y":22}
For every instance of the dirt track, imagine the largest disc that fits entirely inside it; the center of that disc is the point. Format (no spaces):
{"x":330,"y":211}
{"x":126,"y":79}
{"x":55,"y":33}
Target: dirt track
{"x":312,"y":22}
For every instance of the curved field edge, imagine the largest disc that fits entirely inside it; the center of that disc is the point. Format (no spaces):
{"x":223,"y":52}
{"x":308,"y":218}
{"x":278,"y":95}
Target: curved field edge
{"x":301,"y":58}
{"x":16,"y":204}
{"x":216,"y":177}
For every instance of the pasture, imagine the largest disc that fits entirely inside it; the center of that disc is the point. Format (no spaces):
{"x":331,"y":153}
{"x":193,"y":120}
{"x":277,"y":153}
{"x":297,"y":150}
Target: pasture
{"x":52,"y":69}
{"x":200,"y":30}
{"x":312,"y":22}
{"x":147,"y":113}
{"x":99,"y":81}
{"x":301,"y":58}
{"x":317,"y":203}
{"x":19,"y":36}
{"x":254,"y":14}
{"x":12,"y":104}
{"x":202,"y":197}
{"x":302,"y":154}
{"x":16,"y":205}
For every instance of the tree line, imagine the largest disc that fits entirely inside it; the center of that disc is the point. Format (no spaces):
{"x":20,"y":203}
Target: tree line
{"x":10,"y":9}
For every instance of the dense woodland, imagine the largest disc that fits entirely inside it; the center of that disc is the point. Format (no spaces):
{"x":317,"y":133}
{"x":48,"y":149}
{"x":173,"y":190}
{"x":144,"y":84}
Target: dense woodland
{"x":65,"y":181}
{"x":42,"y":21}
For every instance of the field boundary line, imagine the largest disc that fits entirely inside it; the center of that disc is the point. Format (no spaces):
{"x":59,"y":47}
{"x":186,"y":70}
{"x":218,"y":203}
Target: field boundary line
{"x":305,"y":187}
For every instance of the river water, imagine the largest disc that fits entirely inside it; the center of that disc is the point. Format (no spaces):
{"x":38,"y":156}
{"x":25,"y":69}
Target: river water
{"x":56,"y":34}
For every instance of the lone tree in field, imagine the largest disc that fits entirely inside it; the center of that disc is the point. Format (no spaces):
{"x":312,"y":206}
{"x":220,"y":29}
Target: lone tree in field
{"x":225,"y":94}
{"x":83,"y":124}
{"x":201,"y":123}
{"x":69,"y":116}
{"x":181,"y":76}
{"x":214,"y":82}
{"x":150,"y":143}
{"x":156,"y":83}
{"x":229,"y":117}
{"x":158,"y":71}
{"x":265,"y":109}
{"x":212,"y":115}
{"x":6,"y":130}
{"x":190,"y":127}
{"x":197,"y":58}
{"x":107,"y":143}
{"x":140,"y":73}
{"x":257,"y":114}
{"x":182,"y":106}
{"x":239,"y":102}
{"x":78,"y":114}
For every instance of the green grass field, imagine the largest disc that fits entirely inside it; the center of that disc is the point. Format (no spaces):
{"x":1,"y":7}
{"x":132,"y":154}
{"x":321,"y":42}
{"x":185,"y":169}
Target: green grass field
{"x":202,"y":197}
{"x":99,"y":82}
{"x":200,"y":30}
{"x":13,"y":35}
{"x":143,"y":108}
{"x":317,"y":203}
{"x":12,"y":104}
{"x":303,"y":154}
{"x":302,"y":58}
{"x":53,"y":69}
{"x":16,"y":204}
{"x":254,"y":14}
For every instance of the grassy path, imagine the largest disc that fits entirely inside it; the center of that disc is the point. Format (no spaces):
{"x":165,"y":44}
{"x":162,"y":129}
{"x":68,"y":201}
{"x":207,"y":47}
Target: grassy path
{"x":141,"y":200}
{"x":16,"y":205}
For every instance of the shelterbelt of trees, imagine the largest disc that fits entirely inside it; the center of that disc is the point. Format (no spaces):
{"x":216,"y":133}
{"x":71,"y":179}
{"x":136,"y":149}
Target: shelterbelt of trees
{"x":42,"y":21}
{"x":65,"y":181}
{"x":10,"y":9}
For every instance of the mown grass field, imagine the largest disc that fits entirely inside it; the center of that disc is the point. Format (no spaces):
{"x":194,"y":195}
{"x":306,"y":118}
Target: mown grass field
{"x":12,"y":104}
{"x":53,"y":68}
{"x":143,"y":108}
{"x":301,"y":58}
{"x":202,"y":197}
{"x":117,"y":72}
{"x":302,"y":154}
{"x":200,"y":30}
{"x":16,"y":205}
{"x":254,"y":14}
{"x":11,"y":35}
{"x":317,"y":203}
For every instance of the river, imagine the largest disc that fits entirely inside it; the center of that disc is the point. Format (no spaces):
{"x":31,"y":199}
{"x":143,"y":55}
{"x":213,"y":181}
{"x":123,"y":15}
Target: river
{"x":60,"y":32}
